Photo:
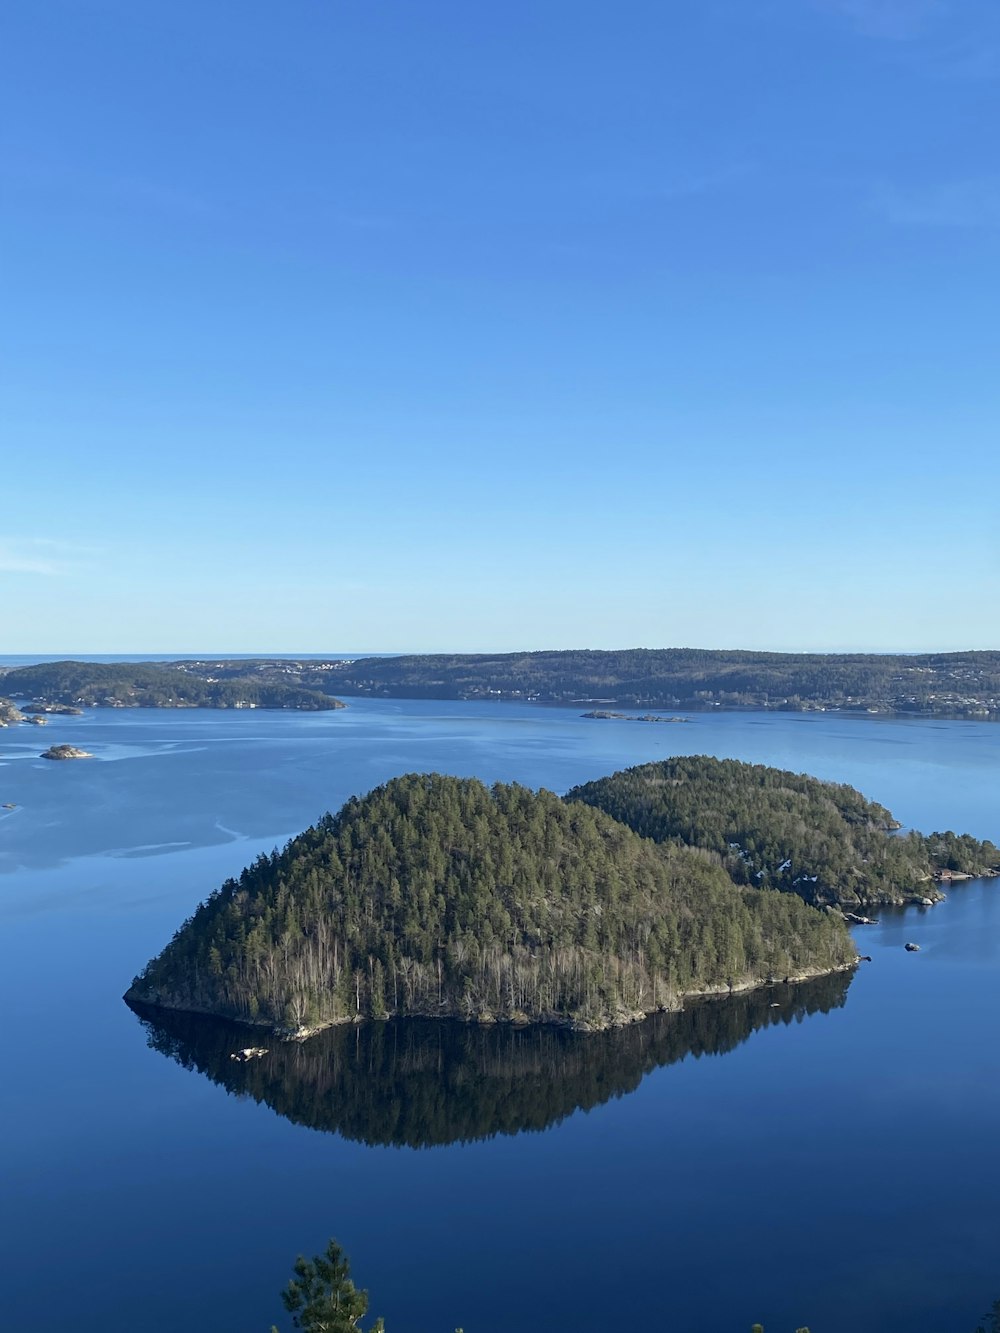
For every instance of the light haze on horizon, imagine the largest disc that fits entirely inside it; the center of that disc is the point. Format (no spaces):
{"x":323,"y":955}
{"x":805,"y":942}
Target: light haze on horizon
{"x":452,"y":327}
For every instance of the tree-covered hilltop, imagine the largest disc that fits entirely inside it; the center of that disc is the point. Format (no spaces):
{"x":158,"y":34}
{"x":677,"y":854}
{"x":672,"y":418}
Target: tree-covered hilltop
{"x":959,"y":853}
{"x":438,"y":896}
{"x":821,"y":840}
{"x":960,"y":685}
{"x":148,"y":685}
{"x":424,"y":1082}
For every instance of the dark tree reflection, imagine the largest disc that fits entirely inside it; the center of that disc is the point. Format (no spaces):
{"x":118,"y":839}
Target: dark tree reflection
{"x":423,"y":1082}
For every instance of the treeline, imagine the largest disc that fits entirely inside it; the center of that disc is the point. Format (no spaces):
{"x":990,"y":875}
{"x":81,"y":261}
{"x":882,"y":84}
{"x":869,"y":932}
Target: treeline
{"x":778,"y":830}
{"x":148,"y":685}
{"x":422,"y":1083}
{"x":438,"y":896}
{"x":961,"y":853}
{"x":956,"y":685}
{"x":931,"y":684}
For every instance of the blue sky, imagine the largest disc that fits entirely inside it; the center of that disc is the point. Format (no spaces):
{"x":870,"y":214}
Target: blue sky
{"x":382,"y":325}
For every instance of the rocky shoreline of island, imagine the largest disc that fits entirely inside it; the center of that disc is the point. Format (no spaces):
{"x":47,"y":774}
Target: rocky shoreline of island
{"x":605,"y":1023}
{"x":62,"y":752}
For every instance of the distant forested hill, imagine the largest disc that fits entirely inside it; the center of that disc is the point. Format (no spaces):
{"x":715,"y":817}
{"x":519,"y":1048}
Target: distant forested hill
{"x":821,"y":840}
{"x":438,"y":896}
{"x":961,"y":685}
{"x":147,"y":685}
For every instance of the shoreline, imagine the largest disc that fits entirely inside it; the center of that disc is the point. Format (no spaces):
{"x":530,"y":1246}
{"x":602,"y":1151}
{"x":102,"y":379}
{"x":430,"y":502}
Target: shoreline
{"x":624,"y":1019}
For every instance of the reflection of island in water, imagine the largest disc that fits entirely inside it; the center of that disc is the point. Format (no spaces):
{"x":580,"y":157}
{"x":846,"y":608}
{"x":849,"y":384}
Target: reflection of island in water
{"x":421,"y":1082}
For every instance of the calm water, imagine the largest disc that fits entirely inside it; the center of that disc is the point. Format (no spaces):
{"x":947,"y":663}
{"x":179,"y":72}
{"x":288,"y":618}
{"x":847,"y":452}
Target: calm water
{"x":832,"y":1161}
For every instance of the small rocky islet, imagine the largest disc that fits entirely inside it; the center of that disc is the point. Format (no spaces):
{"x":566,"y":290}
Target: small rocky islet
{"x":602,"y":715}
{"x":66,"y":752}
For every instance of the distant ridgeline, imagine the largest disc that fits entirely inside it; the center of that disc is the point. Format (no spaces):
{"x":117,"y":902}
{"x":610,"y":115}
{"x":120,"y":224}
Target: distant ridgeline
{"x":147,"y":685}
{"x":426,"y":1082}
{"x":779,"y":830}
{"x":960,"y":685}
{"x":957,"y":685}
{"x":437,"y":896}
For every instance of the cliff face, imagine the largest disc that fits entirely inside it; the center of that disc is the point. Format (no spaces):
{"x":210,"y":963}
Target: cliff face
{"x":436,"y":896}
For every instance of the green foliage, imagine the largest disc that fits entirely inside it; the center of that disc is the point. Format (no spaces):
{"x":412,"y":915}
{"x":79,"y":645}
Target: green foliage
{"x":779,"y":830}
{"x":929,"y":684}
{"x":961,"y":853}
{"x":147,"y":685}
{"x":438,"y":896}
{"x":321,"y":1298}
{"x":962,"y":685}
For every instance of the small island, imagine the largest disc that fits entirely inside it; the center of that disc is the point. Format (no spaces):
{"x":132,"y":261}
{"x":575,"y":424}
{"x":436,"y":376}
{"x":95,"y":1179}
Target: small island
{"x":10,"y":714}
{"x":632,"y":717}
{"x":66,"y":752}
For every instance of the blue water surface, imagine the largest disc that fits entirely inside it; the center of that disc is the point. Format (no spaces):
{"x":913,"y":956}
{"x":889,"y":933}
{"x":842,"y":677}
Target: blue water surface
{"x":840,"y":1171}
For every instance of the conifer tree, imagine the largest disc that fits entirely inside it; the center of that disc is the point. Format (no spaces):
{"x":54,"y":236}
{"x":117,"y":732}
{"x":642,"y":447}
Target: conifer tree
{"x":321,"y":1298}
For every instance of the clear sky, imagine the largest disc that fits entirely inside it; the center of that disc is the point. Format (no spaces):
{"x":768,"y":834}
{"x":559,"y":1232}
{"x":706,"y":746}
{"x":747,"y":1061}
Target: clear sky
{"x":414,"y":324}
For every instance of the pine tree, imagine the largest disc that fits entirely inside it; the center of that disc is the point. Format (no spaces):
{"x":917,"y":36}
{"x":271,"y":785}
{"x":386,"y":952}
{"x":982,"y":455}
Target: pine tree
{"x":321,"y":1298}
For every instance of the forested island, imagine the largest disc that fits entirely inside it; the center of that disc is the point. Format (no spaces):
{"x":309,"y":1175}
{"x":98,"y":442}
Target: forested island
{"x":952,"y":685}
{"x":767,"y":827}
{"x":65,"y":686}
{"x":438,"y":896}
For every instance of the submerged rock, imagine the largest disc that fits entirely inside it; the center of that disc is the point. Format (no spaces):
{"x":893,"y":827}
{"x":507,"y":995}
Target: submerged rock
{"x":249,"y":1053}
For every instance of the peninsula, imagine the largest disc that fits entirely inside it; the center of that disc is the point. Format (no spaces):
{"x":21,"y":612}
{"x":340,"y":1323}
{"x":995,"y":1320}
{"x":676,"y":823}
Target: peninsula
{"x":63,"y":687}
{"x":952,"y":685}
{"x":779,"y":830}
